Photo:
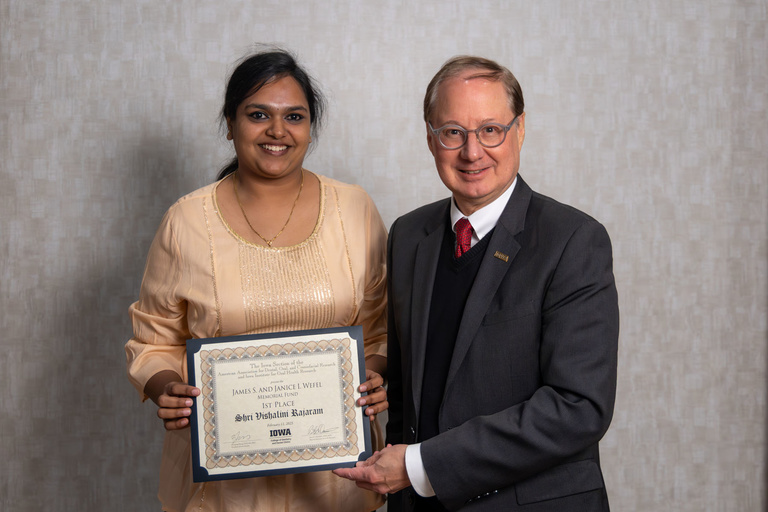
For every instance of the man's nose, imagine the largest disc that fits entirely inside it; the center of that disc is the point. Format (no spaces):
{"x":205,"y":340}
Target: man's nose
{"x":472,"y":150}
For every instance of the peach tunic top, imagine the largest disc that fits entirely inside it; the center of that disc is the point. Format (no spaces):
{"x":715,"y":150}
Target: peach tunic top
{"x":203,"y":280}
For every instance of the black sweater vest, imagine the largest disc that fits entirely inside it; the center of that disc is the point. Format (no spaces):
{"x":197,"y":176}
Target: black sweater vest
{"x":453,"y":281}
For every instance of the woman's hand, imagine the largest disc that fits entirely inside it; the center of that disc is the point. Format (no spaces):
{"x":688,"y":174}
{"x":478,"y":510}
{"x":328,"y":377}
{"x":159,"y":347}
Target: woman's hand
{"x":173,"y":397}
{"x":174,"y":405}
{"x":376,"y":400}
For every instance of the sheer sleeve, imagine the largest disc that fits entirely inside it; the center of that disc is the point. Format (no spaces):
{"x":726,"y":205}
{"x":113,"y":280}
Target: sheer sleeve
{"x":159,"y":317}
{"x":373,"y":314}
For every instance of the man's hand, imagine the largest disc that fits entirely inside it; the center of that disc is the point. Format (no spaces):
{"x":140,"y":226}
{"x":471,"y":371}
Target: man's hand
{"x":384,"y":472}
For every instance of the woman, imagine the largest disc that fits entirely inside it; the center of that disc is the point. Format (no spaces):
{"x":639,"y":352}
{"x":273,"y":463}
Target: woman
{"x":269,"y":247}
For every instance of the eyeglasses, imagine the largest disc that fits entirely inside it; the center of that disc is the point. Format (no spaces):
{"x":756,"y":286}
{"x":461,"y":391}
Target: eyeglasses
{"x":490,"y":135}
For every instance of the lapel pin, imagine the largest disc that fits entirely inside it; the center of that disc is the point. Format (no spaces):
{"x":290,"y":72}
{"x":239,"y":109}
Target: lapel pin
{"x":503,"y":257}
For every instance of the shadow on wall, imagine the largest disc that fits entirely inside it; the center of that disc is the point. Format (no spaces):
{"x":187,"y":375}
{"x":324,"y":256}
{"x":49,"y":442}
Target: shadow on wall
{"x":97,"y":440}
{"x":160,"y":174}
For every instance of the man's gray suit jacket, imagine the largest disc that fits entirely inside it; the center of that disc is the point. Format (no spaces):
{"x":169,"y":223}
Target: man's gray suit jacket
{"x":532,"y":380}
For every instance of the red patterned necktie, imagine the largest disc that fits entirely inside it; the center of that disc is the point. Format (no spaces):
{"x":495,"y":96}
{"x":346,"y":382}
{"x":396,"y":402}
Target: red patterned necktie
{"x":463,"y":236}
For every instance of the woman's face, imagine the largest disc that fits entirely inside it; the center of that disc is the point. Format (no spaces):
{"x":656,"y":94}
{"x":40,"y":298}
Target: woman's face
{"x":271,"y":130}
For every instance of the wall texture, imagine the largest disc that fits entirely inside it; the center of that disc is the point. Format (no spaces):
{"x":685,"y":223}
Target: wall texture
{"x":651,"y":116}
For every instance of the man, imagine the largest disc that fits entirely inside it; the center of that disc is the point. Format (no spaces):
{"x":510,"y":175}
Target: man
{"x":503,"y":333}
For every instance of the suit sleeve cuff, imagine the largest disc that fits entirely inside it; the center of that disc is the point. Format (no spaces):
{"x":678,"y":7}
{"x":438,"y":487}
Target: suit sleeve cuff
{"x":416,"y":472}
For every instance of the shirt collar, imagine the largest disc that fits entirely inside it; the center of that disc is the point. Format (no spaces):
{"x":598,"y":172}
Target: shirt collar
{"x":484,"y":219}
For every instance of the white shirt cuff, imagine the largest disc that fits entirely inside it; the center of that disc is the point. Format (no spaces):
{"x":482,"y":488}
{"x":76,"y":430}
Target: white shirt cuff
{"x":416,"y":472}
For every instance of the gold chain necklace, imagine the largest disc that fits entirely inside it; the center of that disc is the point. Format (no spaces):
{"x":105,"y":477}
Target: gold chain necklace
{"x":271,"y":240}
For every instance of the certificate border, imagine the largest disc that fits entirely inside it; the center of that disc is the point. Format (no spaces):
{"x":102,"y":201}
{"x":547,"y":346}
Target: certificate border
{"x":200,"y":472}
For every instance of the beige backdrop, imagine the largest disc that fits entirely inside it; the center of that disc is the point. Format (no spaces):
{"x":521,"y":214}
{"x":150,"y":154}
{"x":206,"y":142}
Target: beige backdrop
{"x":651,"y":116}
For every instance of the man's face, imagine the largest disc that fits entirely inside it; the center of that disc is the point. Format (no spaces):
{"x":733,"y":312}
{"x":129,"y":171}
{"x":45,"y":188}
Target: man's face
{"x":475,"y":174}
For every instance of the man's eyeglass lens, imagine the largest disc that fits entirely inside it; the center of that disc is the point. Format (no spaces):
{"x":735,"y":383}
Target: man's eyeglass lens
{"x":489,"y":135}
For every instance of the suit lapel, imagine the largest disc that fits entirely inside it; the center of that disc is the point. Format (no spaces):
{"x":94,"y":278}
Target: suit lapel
{"x":425,"y":268}
{"x":498,"y":259}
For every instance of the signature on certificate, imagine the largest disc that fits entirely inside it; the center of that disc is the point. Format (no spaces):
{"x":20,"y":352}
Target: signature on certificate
{"x":240,"y":437}
{"x":314,"y":430}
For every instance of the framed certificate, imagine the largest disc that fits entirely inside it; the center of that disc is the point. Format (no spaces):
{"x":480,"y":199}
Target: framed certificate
{"x":277,"y":403}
